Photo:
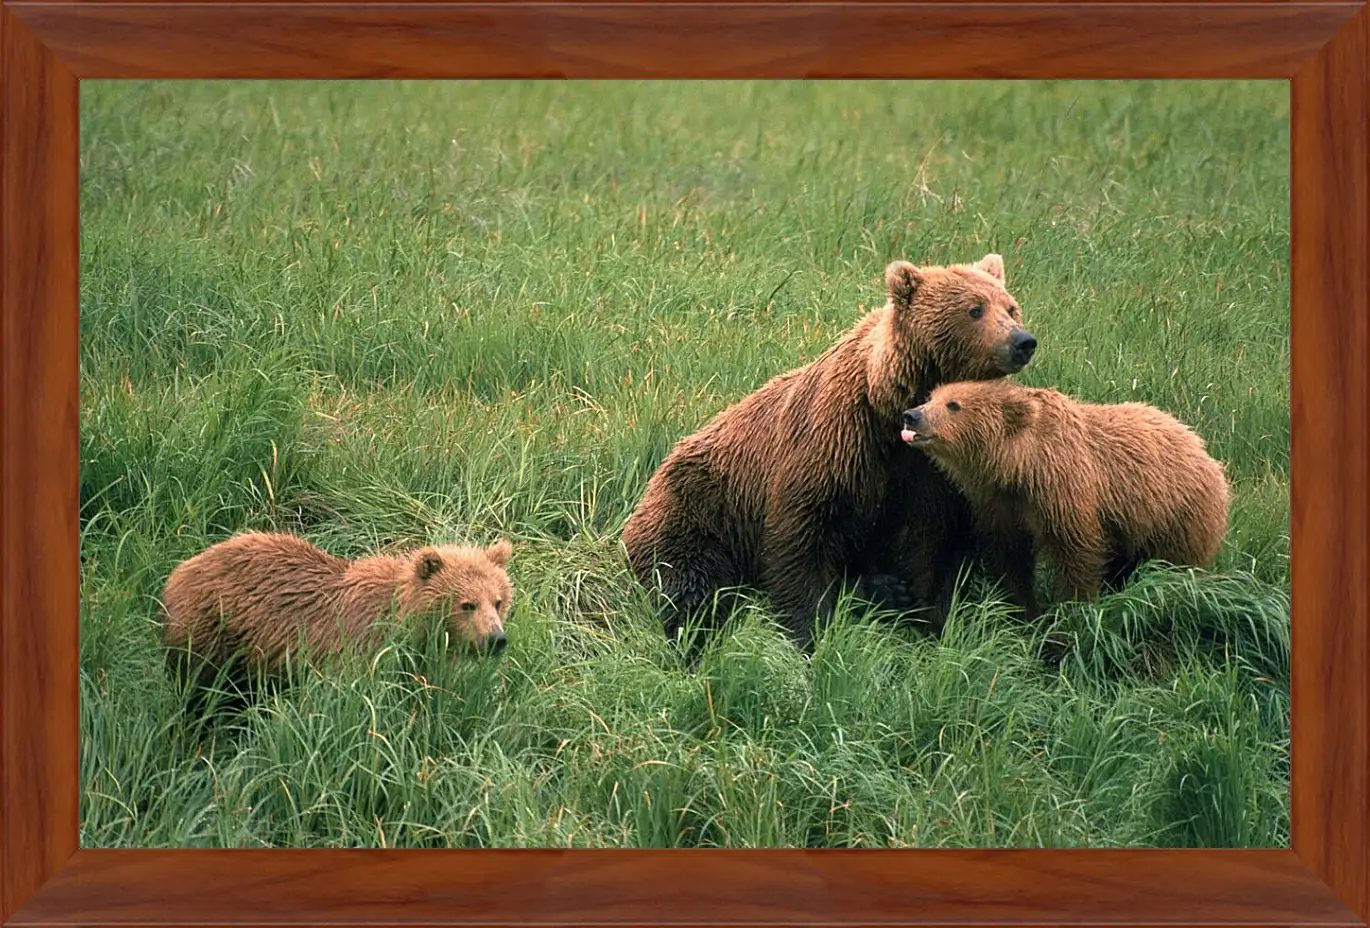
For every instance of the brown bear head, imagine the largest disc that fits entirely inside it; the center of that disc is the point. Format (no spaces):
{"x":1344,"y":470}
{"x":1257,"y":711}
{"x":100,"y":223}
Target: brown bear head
{"x":971,"y":326}
{"x":467,"y":588}
{"x":970,"y":421}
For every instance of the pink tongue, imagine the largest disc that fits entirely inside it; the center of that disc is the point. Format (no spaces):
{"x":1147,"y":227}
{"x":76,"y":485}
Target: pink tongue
{"x":908,"y":435}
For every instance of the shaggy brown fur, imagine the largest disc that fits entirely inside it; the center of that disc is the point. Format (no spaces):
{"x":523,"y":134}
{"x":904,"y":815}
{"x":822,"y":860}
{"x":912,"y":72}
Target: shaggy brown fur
{"x":1097,"y":489}
{"x":258,"y":595}
{"x":805,"y":482}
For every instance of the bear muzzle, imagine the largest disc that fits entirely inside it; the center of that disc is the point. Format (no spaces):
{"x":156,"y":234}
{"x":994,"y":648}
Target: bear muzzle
{"x":915,"y":425}
{"x":1021,"y":344}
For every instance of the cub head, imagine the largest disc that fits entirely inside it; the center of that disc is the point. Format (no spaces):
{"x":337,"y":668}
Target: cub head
{"x":969,"y":419}
{"x":971,"y":325}
{"x":467,"y":588}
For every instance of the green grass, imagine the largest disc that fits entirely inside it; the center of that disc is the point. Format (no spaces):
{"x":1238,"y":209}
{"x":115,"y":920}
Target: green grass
{"x":382,"y":314}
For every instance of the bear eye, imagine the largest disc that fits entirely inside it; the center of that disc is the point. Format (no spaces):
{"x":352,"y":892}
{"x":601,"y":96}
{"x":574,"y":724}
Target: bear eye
{"x":499,"y":604}
{"x":1013,"y":311}
{"x":953,"y":405}
{"x":468,"y":607}
{"x":977,"y":311}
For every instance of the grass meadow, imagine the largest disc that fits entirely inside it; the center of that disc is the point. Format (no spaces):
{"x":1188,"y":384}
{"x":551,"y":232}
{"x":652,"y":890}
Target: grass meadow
{"x":381,"y":314}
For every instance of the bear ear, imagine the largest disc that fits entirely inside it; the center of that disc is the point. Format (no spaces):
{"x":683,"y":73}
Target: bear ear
{"x":993,"y":265}
{"x":902,"y":280}
{"x":427,"y":562}
{"x":1017,"y":414}
{"x":500,"y":552}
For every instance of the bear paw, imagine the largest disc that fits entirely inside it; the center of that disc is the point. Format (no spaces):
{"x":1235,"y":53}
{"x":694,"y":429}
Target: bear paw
{"x":885,"y":591}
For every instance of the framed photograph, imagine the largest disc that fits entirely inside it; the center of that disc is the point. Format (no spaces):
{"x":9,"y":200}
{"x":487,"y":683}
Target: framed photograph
{"x":447,"y":306}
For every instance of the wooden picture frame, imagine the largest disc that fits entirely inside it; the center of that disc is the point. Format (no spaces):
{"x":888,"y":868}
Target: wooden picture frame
{"x":46,"y":48}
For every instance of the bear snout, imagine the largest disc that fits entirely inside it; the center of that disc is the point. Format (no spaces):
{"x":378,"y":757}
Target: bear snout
{"x":1022,"y":344}
{"x":915,"y":431}
{"x":495,"y":642}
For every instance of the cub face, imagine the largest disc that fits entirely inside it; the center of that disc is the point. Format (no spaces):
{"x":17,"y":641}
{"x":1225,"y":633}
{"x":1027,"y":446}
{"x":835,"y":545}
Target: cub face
{"x":968,"y":417}
{"x":468,"y":589}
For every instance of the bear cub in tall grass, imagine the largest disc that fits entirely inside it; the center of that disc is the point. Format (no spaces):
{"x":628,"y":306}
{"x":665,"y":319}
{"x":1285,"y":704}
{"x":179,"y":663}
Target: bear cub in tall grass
{"x":1097,"y":489}
{"x":255,"y":597}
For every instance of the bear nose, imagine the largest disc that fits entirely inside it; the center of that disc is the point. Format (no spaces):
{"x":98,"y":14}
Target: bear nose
{"x":1023,"y":344}
{"x":496,"y":642}
{"x":913,"y":418}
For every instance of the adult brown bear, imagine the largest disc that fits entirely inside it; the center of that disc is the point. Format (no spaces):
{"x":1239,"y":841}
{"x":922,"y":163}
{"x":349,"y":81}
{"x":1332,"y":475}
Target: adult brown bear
{"x":805,"y":483}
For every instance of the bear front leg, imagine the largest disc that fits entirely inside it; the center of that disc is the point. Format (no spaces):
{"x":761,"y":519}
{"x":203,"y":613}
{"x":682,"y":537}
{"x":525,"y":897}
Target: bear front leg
{"x":1011,"y":556}
{"x":1080,"y":559}
{"x":933,"y":542}
{"x":800,"y":571}
{"x":934,"y":563}
{"x":880,"y":574}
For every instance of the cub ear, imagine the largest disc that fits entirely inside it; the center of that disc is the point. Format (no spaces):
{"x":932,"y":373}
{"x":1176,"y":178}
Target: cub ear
{"x":427,"y":562}
{"x":902,"y":280}
{"x":1018,"y":414}
{"x":500,"y":552}
{"x":993,"y":265}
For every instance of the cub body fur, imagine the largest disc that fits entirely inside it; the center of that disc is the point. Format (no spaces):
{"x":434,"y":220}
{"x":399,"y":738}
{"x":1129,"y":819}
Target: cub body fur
{"x":1097,"y":489}
{"x":258,"y":595}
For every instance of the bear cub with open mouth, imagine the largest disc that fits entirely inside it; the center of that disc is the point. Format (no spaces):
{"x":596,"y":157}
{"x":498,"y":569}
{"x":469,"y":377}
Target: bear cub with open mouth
{"x":1096,"y":489}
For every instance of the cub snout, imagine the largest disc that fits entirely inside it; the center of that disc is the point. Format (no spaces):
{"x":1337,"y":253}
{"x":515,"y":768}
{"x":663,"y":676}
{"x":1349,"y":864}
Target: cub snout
{"x":916,"y":429}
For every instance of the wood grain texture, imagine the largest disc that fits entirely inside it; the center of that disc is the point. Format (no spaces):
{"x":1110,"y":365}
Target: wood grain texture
{"x":45,"y":46}
{"x":1330,"y":227}
{"x":719,"y":3}
{"x":643,"y":40}
{"x":38,"y":468}
{"x":866,"y":887}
